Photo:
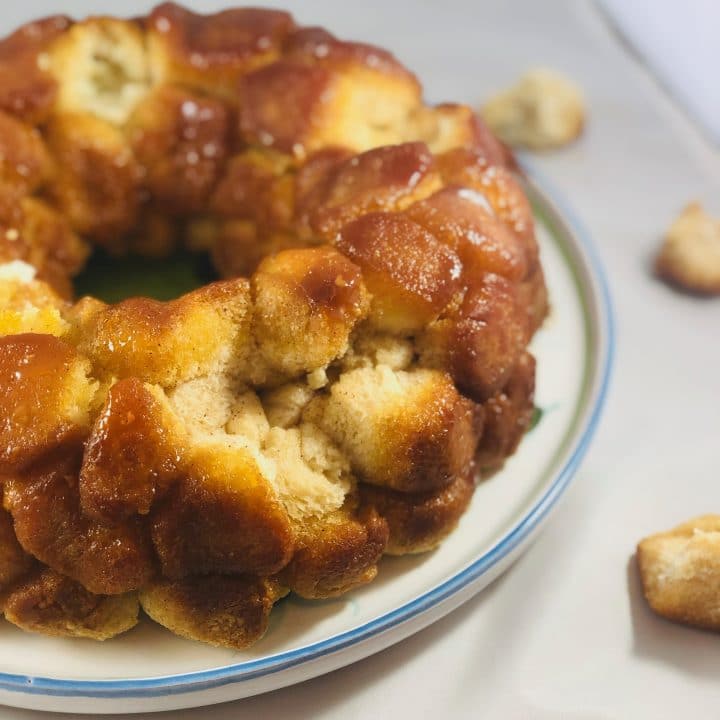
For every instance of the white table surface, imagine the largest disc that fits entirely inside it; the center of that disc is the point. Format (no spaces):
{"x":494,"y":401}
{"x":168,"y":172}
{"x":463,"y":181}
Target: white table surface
{"x":679,"y":41}
{"x":565,"y":633}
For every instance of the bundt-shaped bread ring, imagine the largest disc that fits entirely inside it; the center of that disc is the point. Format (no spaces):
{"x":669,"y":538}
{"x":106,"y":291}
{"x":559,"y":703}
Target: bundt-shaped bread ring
{"x":329,"y":400}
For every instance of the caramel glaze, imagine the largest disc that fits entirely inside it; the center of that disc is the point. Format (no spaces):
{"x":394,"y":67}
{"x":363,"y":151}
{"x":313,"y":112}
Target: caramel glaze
{"x":481,"y":342}
{"x":459,"y":218}
{"x":49,"y":603}
{"x":35,"y":375}
{"x":68,"y":598}
{"x":332,"y":284}
{"x":508,"y":415}
{"x":302,"y":87}
{"x":418,"y":521}
{"x":472,"y":169}
{"x":205,"y":526}
{"x":228,"y":38}
{"x":380,"y":179}
{"x":317,"y":45}
{"x":25,"y":89}
{"x":45,"y":504}
{"x":181,"y":139}
{"x":133,"y":461}
{"x":224,"y":610}
{"x":411,"y":275}
{"x":130,"y":457}
{"x":445,"y":447}
{"x":331,"y":560}
{"x":14,"y":561}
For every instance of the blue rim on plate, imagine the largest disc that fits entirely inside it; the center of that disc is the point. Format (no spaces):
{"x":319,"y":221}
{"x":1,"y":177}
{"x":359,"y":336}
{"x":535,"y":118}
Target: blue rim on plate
{"x":251,"y":669}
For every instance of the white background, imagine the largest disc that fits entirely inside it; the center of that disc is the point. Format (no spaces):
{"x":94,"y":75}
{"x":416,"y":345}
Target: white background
{"x":679,"y":40}
{"x":565,"y":633}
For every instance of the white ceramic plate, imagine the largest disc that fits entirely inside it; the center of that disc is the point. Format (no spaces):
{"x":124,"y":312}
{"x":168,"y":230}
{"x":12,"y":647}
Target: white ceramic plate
{"x":150,"y":669}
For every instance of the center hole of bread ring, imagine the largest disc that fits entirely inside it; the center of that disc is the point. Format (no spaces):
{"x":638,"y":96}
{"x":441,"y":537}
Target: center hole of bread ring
{"x":113,"y":279}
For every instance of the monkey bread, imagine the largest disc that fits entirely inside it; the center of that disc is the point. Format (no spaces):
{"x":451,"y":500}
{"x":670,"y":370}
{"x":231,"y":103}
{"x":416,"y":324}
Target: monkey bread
{"x":332,"y":397}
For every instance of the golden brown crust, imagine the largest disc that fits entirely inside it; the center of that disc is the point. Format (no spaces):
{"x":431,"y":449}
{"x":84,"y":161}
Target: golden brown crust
{"x":53,"y":246}
{"x":14,"y":561}
{"x":31,"y":231}
{"x":44,"y":398}
{"x":313,"y":292}
{"x":419,"y":522}
{"x":181,"y":141}
{"x":48,"y":603}
{"x":24,"y":160}
{"x":45,"y":506}
{"x":480,"y":344}
{"x":132,"y":456}
{"x":507,"y":416}
{"x":26,"y":89}
{"x":147,"y":339}
{"x":212,"y":52}
{"x":337,"y":555}
{"x":255,"y":186}
{"x":96,"y":184}
{"x":13,"y":246}
{"x":222,"y":517}
{"x":221,"y":610}
{"x":333,"y":94}
{"x":305,"y":90}
{"x":680,"y":572}
{"x":534,"y":297}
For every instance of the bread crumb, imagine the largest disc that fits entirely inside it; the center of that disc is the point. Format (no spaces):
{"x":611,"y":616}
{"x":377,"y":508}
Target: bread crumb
{"x":317,"y":379}
{"x":543,"y":110}
{"x":690,"y":255}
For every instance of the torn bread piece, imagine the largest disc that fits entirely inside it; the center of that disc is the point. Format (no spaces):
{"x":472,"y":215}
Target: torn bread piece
{"x":680,"y":572}
{"x":544,"y":110}
{"x":690,"y":255}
